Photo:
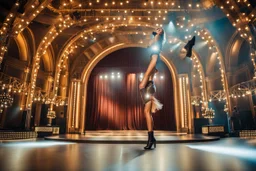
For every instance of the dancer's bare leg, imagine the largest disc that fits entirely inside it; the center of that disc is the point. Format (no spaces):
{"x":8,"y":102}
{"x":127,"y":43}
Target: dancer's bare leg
{"x":149,"y":119}
{"x":153,"y":106}
{"x":150,"y":68}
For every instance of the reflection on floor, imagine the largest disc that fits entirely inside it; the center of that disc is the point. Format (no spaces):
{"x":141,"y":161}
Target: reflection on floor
{"x":225,"y":154}
{"x":131,"y":137}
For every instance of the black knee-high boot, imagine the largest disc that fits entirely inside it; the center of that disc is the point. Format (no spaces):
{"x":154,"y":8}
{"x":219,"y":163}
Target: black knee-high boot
{"x":189,"y":46}
{"x":151,"y":141}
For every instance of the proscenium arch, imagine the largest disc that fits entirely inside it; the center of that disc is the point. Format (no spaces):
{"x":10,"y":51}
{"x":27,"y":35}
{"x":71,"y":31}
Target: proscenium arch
{"x":78,"y":34}
{"x":129,"y":43}
{"x":90,"y":65}
{"x":114,"y":36}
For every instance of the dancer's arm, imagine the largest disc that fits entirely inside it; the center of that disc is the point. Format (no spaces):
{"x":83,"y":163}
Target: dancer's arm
{"x":154,"y":40}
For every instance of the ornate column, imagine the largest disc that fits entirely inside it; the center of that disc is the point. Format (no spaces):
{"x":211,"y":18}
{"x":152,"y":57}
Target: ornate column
{"x":74,"y":103}
{"x":48,"y":84}
{"x":37,"y":114}
{"x":24,"y":103}
{"x":186,"y":117}
{"x":63,"y":84}
{"x":48,"y":88}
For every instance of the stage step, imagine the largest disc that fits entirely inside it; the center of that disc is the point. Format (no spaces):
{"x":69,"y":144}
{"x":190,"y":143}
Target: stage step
{"x":131,"y":133}
{"x":13,"y":135}
{"x":131,"y":137}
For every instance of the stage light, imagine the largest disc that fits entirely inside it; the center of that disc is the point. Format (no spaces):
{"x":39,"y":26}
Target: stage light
{"x":101,"y":76}
{"x":118,"y":76}
{"x":112,"y":76}
{"x":147,"y":96}
{"x":171,"y":27}
{"x":162,"y":77}
{"x":141,"y":75}
{"x":254,"y":77}
{"x":155,"y":48}
{"x":22,"y":4}
{"x":106,"y":76}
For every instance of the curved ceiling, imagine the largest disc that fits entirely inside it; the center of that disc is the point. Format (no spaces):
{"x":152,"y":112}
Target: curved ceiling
{"x":185,"y":17}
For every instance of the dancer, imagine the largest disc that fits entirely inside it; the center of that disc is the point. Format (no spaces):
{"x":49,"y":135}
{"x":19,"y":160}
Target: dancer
{"x":147,"y":86}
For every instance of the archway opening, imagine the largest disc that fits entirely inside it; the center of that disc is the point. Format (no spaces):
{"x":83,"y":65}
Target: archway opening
{"x":113,"y":99}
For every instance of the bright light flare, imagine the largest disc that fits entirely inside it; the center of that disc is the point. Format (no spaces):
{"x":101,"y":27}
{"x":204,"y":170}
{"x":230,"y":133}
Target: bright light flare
{"x":243,"y":152}
{"x":155,"y":48}
{"x":171,"y":27}
{"x":37,"y":144}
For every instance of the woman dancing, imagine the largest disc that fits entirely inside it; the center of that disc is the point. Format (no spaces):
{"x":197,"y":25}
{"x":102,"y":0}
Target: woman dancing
{"x":147,"y":86}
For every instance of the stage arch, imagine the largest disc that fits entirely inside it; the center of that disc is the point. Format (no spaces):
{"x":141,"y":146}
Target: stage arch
{"x":78,"y":92}
{"x":113,"y":97}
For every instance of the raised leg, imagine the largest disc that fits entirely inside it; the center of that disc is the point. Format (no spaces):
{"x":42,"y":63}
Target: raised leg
{"x":150,"y":68}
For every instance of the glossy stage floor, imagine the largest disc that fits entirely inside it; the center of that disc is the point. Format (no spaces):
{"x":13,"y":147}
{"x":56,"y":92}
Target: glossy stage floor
{"x":227,"y":154}
{"x":133,"y":137}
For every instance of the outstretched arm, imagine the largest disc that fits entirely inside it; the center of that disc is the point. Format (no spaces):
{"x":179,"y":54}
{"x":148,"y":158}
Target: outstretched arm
{"x":154,"y":40}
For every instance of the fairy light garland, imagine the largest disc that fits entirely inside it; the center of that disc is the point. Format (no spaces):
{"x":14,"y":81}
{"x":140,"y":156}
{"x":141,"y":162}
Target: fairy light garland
{"x":28,"y":16}
{"x":5,"y":30}
{"x":71,"y":4}
{"x":239,"y":19}
{"x":198,"y":66}
{"x":45,"y":43}
{"x":205,"y":35}
{"x":130,"y":18}
{"x":20,"y":23}
{"x":99,"y":19}
{"x":87,"y":35}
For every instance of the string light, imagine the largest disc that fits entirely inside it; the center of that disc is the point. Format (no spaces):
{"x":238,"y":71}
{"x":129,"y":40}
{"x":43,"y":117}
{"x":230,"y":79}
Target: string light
{"x":46,"y":42}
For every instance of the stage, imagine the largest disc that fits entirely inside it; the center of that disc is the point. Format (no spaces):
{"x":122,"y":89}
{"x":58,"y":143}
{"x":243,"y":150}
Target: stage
{"x":132,"y":137}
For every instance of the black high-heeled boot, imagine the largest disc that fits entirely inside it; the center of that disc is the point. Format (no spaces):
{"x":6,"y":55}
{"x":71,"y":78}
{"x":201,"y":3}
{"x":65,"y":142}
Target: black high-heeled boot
{"x":151,"y":141}
{"x":189,"y":46}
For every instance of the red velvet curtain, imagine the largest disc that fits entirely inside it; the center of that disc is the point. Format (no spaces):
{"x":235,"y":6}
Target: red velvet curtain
{"x":115,"y":103}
